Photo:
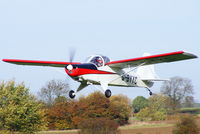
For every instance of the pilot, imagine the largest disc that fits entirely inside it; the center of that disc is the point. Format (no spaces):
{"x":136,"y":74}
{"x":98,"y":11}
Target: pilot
{"x":99,"y":62}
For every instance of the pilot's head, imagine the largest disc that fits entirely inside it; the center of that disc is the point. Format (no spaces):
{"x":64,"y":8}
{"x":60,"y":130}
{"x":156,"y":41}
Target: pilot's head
{"x":99,"y":60}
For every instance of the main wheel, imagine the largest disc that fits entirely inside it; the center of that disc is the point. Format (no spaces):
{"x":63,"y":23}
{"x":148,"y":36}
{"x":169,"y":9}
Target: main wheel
{"x":108,"y":93}
{"x":72,"y":94}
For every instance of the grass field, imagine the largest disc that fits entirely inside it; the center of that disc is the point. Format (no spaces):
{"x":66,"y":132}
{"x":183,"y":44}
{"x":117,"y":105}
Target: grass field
{"x":152,"y":127}
{"x":133,"y":128}
{"x":193,"y":110}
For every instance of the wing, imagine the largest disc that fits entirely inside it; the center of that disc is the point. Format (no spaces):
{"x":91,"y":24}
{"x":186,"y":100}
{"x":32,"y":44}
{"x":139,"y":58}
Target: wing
{"x":153,"y":59}
{"x":39,"y":63}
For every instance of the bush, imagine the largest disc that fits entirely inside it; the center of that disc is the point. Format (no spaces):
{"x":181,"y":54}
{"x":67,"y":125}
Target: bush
{"x":147,"y":114}
{"x":186,"y":125}
{"x":156,"y":109}
{"x":98,"y":126}
{"x":139,"y":103}
{"x":59,"y":115}
{"x":19,"y":111}
{"x":120,"y":109}
{"x":96,"y":105}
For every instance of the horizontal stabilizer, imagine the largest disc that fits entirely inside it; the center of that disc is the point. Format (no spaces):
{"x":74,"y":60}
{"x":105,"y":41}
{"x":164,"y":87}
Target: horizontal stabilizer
{"x":155,"y":79}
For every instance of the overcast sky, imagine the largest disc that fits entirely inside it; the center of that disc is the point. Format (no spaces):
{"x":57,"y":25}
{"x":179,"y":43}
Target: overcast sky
{"x":119,"y":29}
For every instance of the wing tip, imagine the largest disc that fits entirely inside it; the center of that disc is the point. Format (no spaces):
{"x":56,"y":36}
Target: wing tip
{"x":8,"y":60}
{"x":4,"y":60}
{"x":190,"y":54}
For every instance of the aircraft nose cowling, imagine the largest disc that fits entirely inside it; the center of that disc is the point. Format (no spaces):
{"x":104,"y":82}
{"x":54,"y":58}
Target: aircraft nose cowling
{"x":81,"y":69}
{"x":72,"y":72}
{"x":69,"y":67}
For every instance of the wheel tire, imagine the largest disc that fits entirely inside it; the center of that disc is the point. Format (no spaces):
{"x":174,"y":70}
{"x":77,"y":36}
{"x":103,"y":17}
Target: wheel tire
{"x":150,"y":93}
{"x":108,"y":93}
{"x":72,"y":94}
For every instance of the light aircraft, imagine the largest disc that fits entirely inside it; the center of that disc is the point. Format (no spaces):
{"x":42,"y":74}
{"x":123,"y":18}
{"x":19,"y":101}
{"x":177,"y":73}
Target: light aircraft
{"x":99,"y":70}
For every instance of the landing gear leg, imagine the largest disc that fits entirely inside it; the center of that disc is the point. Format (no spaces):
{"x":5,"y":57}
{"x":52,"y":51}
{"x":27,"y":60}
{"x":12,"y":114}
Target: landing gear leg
{"x":72,"y":94}
{"x":150,"y":93}
{"x":104,"y":86}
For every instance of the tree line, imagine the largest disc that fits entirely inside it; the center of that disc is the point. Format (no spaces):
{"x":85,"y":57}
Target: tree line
{"x":53,"y":110}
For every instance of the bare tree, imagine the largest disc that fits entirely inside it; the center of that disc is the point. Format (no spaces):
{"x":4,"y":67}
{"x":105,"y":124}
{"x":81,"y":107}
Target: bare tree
{"x":52,"y":90}
{"x":188,"y":101}
{"x":177,"y":89}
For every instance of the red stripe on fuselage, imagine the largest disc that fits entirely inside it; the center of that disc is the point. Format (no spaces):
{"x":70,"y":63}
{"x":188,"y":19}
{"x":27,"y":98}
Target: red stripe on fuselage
{"x":82,"y":71}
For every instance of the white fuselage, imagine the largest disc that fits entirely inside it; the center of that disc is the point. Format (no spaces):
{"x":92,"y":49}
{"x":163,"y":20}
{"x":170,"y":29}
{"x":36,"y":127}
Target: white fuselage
{"x":115,"y":79}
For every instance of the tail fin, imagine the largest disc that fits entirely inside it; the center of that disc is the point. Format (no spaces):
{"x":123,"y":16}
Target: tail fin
{"x":147,"y":72}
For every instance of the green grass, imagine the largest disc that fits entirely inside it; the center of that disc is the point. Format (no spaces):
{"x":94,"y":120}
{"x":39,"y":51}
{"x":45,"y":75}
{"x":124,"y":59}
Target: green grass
{"x":146,"y":126}
{"x":192,"y":110}
{"x":58,"y":131}
{"x":132,"y":126}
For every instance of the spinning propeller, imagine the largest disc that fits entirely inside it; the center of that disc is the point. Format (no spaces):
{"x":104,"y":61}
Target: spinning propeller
{"x":72,"y":53}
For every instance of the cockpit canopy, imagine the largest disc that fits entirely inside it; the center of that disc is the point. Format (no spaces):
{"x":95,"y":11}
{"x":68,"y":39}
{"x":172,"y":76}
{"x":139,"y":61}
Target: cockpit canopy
{"x":98,"y":60}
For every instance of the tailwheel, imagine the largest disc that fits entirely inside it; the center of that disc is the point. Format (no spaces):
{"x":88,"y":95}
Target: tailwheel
{"x":150,"y":93}
{"x":108,"y":93}
{"x":72,"y":94}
